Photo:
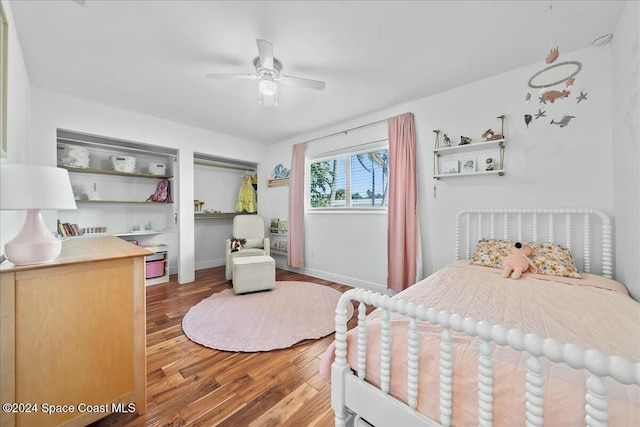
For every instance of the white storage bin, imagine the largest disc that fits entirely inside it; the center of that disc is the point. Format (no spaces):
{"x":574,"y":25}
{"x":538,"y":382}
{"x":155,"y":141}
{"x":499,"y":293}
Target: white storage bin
{"x":123,"y":163}
{"x":156,"y":168}
{"x":72,"y":155}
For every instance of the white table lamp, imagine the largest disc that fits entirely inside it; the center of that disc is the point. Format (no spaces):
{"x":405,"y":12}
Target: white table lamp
{"x":32,"y":188}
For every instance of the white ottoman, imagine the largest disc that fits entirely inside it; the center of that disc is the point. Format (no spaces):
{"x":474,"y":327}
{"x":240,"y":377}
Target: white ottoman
{"x":253,"y":273}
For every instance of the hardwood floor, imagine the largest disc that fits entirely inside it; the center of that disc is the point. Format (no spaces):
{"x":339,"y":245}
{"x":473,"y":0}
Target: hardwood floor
{"x":192,"y":385}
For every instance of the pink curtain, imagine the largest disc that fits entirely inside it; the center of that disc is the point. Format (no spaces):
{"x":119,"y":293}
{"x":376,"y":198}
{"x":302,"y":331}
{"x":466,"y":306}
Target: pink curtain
{"x":295,"y":250}
{"x":402,"y":231}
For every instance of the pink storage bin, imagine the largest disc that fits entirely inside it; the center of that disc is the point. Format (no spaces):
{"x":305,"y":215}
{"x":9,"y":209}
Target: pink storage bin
{"x":155,"y":269}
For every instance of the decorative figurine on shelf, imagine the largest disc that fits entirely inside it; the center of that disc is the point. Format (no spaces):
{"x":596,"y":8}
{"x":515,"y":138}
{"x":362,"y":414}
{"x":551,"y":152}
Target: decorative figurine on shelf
{"x":464,"y":140}
{"x":446,"y":140}
{"x":491,"y":166}
{"x":490,"y":135}
{"x":197,"y":205}
{"x":280,"y":172}
{"x":94,"y":194}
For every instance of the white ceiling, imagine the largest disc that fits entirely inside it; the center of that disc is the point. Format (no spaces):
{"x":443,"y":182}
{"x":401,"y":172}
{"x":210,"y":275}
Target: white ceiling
{"x":151,"y":56}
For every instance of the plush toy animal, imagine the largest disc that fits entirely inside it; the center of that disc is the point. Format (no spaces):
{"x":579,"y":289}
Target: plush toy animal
{"x":517,"y":262}
{"x":237,"y":244}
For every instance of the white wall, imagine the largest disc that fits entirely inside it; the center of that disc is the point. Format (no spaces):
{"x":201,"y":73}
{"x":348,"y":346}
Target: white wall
{"x":218,"y":188}
{"x":625,"y":141}
{"x":51,"y":110}
{"x":546,"y":166}
{"x":18,"y":110}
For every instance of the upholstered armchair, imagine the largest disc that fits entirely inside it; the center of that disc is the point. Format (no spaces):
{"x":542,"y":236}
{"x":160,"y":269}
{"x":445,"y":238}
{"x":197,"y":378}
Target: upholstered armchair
{"x":251,"y":228}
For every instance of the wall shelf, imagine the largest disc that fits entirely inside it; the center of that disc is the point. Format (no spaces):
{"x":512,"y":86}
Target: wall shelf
{"x":470,"y":147}
{"x":279,"y":242}
{"x":280,"y":182}
{"x":462,"y":160}
{"x":451,"y":175}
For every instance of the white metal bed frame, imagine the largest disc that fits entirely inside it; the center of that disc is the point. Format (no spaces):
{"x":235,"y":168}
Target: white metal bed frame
{"x":355,"y":400}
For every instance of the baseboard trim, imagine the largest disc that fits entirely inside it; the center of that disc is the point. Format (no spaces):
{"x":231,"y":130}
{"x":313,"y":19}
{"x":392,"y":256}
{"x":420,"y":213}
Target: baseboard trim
{"x":320,"y":274}
{"x":209,"y":264}
{"x":343,"y":280}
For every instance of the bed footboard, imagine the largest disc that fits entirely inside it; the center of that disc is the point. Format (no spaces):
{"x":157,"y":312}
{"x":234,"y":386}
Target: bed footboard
{"x":350,"y":391}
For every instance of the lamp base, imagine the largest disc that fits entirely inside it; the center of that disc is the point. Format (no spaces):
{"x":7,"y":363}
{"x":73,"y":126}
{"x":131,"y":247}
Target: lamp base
{"x":34,"y":244}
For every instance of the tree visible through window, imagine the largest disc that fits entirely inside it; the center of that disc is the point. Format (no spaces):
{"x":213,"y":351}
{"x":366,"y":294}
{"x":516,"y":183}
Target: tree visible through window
{"x":350,"y":181}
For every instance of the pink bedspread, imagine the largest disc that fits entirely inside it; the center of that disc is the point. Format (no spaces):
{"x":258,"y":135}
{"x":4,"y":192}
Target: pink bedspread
{"x":592,"y":312}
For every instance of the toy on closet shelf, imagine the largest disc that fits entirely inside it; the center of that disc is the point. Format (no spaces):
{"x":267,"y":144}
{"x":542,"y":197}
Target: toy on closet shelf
{"x":197,"y":205}
{"x":518,"y":262}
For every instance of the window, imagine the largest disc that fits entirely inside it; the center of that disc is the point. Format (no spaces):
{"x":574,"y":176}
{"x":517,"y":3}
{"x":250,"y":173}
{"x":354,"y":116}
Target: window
{"x":352,"y":180}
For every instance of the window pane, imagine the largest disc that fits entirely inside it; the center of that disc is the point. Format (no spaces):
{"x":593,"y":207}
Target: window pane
{"x":327,"y":183}
{"x":369,"y":179}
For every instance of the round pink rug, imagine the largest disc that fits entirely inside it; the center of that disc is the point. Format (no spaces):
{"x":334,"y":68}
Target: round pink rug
{"x":263,"y":321}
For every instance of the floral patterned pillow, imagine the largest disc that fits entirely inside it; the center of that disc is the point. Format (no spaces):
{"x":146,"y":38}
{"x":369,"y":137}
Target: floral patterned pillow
{"x":549,"y":258}
{"x":491,"y":252}
{"x":553,"y":259}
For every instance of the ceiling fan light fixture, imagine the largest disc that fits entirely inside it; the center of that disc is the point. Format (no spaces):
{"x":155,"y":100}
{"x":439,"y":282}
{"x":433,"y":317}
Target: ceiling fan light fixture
{"x":268,"y":73}
{"x":267,"y":87}
{"x":267,"y":93}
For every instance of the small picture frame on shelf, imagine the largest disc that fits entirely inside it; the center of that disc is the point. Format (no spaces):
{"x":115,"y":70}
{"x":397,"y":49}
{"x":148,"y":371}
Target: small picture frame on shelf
{"x":488,"y":163}
{"x":468,"y":165}
{"x":450,"y":167}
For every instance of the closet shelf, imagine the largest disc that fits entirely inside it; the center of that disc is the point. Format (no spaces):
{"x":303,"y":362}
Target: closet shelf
{"x":122,"y":202}
{"x":115,"y":173}
{"x":223,"y":215}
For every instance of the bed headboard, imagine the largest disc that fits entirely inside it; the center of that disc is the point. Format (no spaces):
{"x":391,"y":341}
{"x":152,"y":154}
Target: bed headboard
{"x":586,"y":232}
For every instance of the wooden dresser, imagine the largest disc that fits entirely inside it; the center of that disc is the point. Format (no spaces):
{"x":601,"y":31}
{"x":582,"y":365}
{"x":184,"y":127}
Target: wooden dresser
{"x":72,"y":335}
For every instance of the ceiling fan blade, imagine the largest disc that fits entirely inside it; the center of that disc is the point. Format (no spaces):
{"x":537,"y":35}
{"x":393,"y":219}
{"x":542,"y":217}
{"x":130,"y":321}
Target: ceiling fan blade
{"x":265,"y":50}
{"x":308,"y":83}
{"x":231,"y":76}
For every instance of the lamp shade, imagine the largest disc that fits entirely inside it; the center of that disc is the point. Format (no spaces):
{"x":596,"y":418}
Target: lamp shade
{"x":32,"y":188}
{"x":35,"y":187}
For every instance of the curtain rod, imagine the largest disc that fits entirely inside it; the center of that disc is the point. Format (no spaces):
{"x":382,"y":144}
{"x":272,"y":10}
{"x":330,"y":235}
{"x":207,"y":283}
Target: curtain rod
{"x":345,"y":131}
{"x":354,"y":146}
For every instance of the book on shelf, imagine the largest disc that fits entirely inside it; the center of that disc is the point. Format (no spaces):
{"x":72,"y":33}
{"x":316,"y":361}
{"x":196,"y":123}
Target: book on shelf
{"x":61,"y":230}
{"x":66,"y":229}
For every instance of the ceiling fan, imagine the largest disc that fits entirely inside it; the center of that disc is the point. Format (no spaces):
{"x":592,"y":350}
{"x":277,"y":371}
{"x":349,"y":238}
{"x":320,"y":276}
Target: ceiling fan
{"x":268,"y":72}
